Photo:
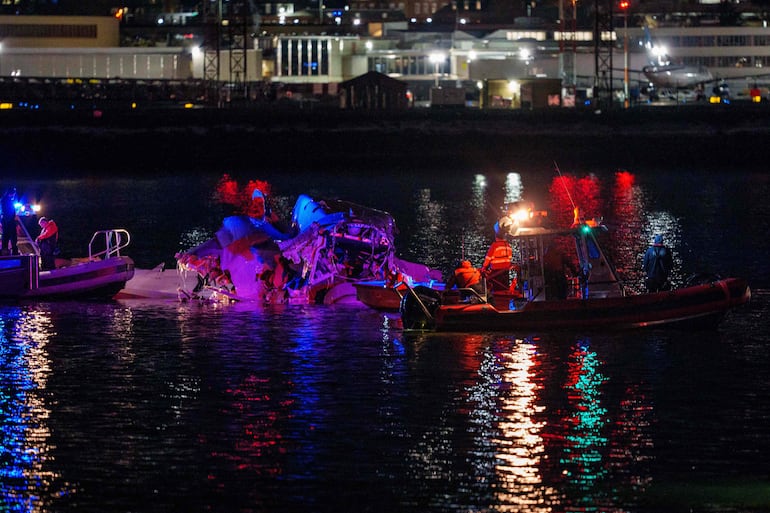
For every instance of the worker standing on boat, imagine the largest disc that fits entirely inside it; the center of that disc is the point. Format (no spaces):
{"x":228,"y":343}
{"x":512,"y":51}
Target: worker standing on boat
{"x":556,"y":266}
{"x":497,"y":264}
{"x":657,"y":264}
{"x":47,"y":241}
{"x":8,"y":208}
{"x":466,"y":277}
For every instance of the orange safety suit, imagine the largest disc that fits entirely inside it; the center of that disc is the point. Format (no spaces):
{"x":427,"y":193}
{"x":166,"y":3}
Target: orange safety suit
{"x":49,"y":229}
{"x":465,"y":276}
{"x":47,"y":242}
{"x":498,"y":256}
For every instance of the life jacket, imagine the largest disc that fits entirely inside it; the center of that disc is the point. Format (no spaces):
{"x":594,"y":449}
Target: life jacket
{"x":499,"y":256}
{"x":467,"y":276}
{"x":49,"y":230}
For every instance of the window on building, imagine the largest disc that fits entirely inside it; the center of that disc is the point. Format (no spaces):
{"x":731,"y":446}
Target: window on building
{"x":304,"y":57}
{"x":40,"y":30}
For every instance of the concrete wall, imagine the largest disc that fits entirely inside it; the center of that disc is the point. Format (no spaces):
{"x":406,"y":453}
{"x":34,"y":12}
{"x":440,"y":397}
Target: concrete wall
{"x":131,"y":63}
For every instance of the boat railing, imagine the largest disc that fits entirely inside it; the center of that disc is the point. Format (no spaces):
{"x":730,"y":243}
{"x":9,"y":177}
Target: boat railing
{"x":111,"y":240}
{"x":465,"y":295}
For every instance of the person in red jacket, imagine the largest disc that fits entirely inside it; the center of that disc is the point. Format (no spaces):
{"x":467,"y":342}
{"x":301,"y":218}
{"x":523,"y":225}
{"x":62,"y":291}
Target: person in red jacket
{"x":47,"y":241}
{"x":466,"y":277}
{"x":497,"y":264}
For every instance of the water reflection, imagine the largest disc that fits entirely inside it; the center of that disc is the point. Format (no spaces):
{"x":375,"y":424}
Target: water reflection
{"x":520,"y":445}
{"x":429,"y":231}
{"x":26,"y":452}
{"x":477,"y":230}
{"x":585,"y":440}
{"x":547,"y":434}
{"x":514,"y":188}
{"x":237,"y":408}
{"x":444,"y":231}
{"x":625,"y":212}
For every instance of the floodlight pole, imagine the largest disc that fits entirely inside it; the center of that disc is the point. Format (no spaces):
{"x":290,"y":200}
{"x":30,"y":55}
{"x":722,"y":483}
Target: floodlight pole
{"x":625,"y":58}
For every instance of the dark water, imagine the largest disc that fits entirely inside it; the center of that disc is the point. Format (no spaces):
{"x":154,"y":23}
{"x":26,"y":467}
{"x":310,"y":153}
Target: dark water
{"x":147,"y":406}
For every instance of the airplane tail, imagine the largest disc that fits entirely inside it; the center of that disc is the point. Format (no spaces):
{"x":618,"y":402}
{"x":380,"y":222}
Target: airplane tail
{"x":656,"y":55}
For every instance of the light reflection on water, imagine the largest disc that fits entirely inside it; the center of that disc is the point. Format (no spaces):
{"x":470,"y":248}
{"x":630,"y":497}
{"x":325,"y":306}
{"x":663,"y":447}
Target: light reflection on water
{"x":335,"y":408}
{"x":520,"y":442}
{"x":25,"y":444}
{"x":148,"y":406}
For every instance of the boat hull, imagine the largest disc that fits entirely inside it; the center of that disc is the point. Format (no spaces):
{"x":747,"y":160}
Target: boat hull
{"x":21,"y":279}
{"x":378,"y":295}
{"x":700,"y":306}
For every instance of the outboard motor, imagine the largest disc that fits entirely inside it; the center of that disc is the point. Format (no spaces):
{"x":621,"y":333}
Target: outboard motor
{"x":418,"y":306}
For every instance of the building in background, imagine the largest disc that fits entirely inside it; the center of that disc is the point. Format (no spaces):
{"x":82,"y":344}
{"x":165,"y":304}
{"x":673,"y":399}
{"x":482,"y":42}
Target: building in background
{"x":309,"y":50}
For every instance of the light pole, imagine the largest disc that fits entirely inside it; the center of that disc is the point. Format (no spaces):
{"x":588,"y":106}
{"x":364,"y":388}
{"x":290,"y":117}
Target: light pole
{"x":436,"y":58}
{"x":624,"y":7}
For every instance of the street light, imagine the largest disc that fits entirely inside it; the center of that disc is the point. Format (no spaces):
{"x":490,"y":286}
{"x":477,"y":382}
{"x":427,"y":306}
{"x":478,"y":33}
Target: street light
{"x":624,"y":4}
{"x":436,"y":58}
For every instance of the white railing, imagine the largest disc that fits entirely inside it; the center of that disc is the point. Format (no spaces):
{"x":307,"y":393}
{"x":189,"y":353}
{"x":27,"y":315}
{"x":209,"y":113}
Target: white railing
{"x":114,"y":240}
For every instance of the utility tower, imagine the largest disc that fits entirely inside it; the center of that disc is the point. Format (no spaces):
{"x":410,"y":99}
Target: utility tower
{"x":212,"y":43}
{"x":603,"y":44}
{"x":239,"y":27}
{"x":228,"y":24}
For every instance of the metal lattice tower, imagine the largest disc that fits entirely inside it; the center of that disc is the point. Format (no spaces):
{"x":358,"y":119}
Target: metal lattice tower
{"x":228,"y":23}
{"x":239,"y":24}
{"x":603,"y":44}
{"x":212,"y":41}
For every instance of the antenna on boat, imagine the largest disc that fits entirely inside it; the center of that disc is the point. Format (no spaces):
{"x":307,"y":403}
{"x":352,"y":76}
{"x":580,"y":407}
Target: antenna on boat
{"x":564,"y":184}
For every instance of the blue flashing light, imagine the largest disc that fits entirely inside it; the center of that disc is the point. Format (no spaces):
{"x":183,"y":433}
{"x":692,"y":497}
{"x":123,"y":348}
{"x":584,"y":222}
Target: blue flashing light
{"x":13,"y":263}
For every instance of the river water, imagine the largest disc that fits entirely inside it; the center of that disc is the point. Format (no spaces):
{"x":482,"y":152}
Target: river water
{"x":140,"y":406}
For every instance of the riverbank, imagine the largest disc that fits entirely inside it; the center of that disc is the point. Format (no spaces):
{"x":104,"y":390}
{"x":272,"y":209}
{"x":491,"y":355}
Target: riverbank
{"x":156,"y":141}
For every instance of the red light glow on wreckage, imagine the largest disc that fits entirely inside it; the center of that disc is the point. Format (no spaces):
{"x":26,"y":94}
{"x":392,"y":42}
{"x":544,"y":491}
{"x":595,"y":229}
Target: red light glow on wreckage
{"x":244,"y":199}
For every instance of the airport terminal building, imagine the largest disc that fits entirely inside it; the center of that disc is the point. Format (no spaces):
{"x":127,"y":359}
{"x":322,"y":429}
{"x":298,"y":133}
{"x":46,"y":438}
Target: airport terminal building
{"x":79,"y":47}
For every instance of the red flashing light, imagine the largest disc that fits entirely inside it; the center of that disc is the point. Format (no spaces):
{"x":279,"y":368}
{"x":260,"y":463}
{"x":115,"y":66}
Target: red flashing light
{"x":624,"y":4}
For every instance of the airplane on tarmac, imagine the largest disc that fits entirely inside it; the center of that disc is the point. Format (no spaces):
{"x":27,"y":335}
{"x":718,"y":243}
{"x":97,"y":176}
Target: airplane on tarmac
{"x":664,"y":75}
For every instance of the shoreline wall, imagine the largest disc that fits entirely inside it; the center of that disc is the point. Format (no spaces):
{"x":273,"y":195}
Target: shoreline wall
{"x":148,"y":142}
